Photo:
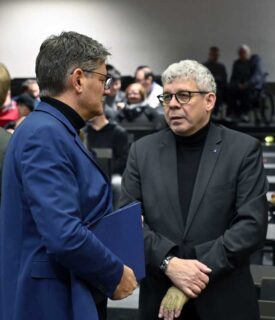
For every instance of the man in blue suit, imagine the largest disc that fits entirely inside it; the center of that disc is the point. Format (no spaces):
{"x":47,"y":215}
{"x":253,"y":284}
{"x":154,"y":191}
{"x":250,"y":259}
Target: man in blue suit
{"x":51,"y":265}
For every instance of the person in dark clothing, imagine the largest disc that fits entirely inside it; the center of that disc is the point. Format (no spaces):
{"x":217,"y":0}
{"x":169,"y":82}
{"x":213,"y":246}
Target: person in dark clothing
{"x":26,"y":104}
{"x":8,"y":109}
{"x":31,"y":86}
{"x":203,"y":191}
{"x":101,"y":133}
{"x":219,"y":73}
{"x":247,"y":79}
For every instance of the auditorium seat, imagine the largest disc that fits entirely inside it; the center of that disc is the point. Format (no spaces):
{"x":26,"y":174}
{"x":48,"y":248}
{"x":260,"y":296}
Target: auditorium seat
{"x":267,"y":310}
{"x":267,"y":291}
{"x":104,"y":159}
{"x":259,"y":271}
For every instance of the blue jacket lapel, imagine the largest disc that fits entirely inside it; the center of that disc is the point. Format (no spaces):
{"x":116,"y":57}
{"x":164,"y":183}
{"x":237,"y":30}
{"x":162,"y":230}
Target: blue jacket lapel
{"x":45,"y":107}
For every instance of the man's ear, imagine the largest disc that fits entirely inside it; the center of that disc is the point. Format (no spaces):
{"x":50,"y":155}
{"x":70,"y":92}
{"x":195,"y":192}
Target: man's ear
{"x":210,"y":101}
{"x":77,"y":78}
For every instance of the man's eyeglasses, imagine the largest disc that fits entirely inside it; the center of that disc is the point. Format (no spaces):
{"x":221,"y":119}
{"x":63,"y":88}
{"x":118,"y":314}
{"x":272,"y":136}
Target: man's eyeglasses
{"x":108,"y":80}
{"x":182,"y":97}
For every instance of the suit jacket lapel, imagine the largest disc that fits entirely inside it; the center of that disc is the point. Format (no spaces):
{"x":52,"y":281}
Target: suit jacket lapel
{"x":169,"y":175}
{"x":209,"y":157}
{"x":45,"y":107}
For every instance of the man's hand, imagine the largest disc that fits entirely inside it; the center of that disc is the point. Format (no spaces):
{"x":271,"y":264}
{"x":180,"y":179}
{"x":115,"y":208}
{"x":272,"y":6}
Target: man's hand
{"x":120,"y":105}
{"x":127,"y":285}
{"x":190,"y":276}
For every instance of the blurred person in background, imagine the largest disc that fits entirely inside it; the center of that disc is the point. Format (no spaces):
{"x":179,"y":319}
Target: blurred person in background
{"x":31,"y":86}
{"x":219,"y":73}
{"x":26,"y":104}
{"x":247,"y":79}
{"x":114,"y":96}
{"x":8,"y":109}
{"x":136,"y":112}
{"x":145,"y":76}
{"x":99,"y":133}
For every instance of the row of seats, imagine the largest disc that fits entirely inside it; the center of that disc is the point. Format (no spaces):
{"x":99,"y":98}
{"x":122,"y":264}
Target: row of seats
{"x":264,"y":280}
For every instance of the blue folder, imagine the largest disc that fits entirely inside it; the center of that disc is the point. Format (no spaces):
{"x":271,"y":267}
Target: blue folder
{"x":121,"y":231}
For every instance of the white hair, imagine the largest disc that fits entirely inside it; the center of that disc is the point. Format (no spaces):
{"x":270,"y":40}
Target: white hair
{"x":190,"y":70}
{"x":246,"y":48}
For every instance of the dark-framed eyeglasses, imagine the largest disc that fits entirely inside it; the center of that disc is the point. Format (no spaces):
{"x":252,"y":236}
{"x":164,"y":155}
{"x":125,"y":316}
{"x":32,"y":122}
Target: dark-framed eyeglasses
{"x":182,"y":97}
{"x":108,"y":80}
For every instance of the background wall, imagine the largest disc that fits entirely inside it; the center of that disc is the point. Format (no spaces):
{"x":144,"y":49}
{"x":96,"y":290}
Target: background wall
{"x":153,"y":32}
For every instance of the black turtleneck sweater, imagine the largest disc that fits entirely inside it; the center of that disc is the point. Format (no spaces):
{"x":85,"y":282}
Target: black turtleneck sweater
{"x":189,"y":151}
{"x":73,"y":117}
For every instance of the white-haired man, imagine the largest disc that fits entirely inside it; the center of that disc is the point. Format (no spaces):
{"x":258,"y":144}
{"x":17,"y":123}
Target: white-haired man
{"x":203,"y":191}
{"x":247,"y":78}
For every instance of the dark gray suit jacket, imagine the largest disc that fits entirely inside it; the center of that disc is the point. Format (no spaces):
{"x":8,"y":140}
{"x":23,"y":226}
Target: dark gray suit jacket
{"x":227,"y":219}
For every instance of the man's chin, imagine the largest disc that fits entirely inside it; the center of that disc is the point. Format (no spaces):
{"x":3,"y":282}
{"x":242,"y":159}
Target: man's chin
{"x":181,"y":130}
{"x":99,"y":111}
{"x":96,"y":113}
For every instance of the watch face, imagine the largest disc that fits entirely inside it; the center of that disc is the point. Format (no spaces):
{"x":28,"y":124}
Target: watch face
{"x":165,"y":263}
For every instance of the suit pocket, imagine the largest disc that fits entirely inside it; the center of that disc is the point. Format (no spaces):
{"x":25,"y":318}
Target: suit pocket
{"x":42,"y":270}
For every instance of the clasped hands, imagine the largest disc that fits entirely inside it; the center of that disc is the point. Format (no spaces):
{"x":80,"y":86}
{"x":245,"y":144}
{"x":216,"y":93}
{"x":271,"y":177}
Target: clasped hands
{"x":189,"y":277}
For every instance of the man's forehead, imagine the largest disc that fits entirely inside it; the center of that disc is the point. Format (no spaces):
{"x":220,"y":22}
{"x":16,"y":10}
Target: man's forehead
{"x":180,"y":84}
{"x":140,"y":73}
{"x":101,"y":68}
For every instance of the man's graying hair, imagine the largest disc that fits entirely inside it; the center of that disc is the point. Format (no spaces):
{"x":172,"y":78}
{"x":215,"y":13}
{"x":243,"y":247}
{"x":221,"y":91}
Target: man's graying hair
{"x":190,"y":70}
{"x":60,"y":54}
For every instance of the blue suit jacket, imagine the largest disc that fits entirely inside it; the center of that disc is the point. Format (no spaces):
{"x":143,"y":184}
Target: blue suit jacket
{"x":49,"y":261}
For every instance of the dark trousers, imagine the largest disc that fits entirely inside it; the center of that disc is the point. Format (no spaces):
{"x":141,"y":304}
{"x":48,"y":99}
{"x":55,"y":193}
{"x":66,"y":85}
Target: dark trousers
{"x":241,"y":101}
{"x":102,"y":310}
{"x":189,"y":312}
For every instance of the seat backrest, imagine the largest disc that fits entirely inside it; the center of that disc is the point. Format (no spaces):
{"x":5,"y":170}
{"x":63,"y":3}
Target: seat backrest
{"x":267,"y":309}
{"x":260,"y":271}
{"x":104,"y":159}
{"x":268,"y":289}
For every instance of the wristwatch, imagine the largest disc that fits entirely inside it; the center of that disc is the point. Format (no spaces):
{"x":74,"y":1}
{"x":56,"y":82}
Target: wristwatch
{"x":165,"y":263}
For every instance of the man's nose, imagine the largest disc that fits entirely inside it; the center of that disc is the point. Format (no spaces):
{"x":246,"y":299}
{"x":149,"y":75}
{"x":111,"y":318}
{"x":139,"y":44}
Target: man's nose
{"x":174,"y":102}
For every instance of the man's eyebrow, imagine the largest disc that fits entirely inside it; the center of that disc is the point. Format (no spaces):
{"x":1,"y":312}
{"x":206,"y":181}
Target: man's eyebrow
{"x":182,"y":90}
